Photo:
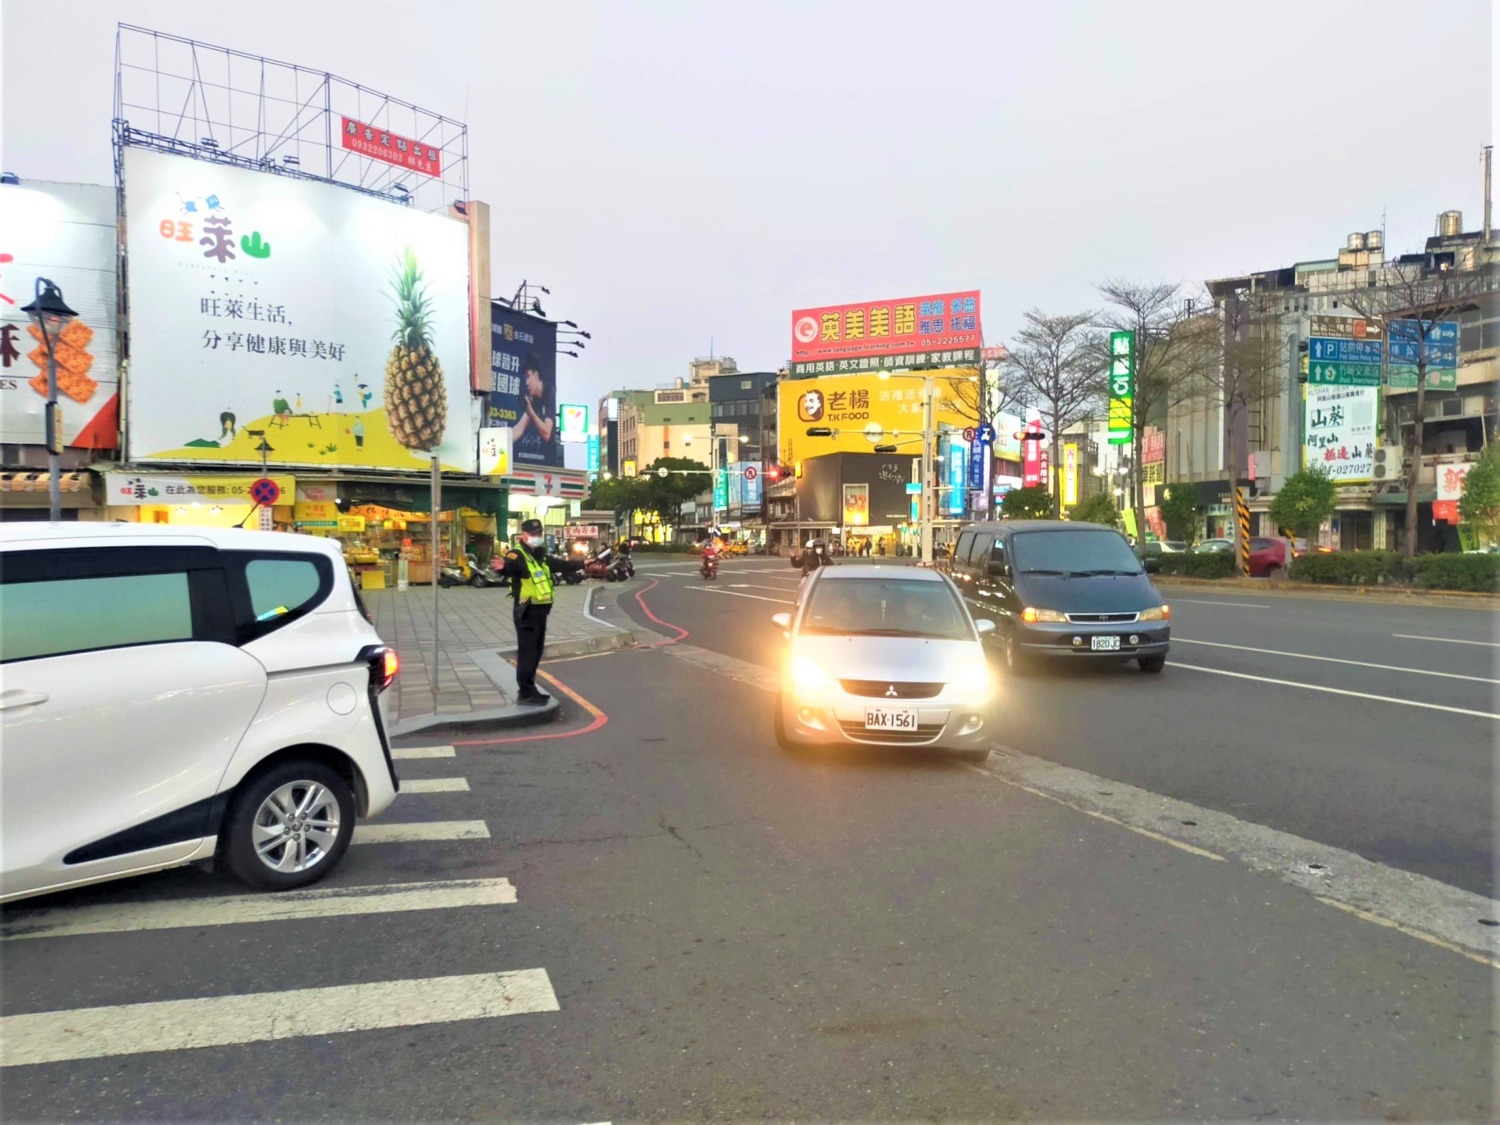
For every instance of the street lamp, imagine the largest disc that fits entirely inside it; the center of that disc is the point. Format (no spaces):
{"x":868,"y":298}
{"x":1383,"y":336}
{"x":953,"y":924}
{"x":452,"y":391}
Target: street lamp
{"x":50,"y":313}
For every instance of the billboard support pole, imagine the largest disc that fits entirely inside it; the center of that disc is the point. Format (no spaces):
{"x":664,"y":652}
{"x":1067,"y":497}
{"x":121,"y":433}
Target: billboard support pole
{"x":929,"y":492}
{"x":437,"y":512}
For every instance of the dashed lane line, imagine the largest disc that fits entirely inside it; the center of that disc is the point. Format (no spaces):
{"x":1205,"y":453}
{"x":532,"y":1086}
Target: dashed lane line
{"x":228,"y":910}
{"x":1446,"y":640}
{"x":1338,"y":660}
{"x":1339,"y":691}
{"x":217,"y":1021}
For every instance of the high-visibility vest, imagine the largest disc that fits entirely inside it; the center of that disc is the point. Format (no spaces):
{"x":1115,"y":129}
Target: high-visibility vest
{"x":536,"y":588}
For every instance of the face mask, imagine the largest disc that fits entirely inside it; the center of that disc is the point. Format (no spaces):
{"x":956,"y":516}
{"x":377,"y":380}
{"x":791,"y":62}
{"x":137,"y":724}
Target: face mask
{"x":532,"y":540}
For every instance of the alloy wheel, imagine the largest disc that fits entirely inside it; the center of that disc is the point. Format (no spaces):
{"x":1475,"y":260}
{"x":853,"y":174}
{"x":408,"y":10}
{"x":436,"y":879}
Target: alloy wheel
{"x":296,"y":826}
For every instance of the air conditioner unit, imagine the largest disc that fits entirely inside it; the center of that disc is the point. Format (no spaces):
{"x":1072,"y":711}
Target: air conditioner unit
{"x":1389,"y":463}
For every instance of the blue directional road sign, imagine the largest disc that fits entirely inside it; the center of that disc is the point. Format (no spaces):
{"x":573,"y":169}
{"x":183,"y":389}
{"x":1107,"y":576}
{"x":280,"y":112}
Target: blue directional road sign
{"x":1438,"y":332}
{"x":1343,"y":351}
{"x":986,"y":434}
{"x":1438,"y":355}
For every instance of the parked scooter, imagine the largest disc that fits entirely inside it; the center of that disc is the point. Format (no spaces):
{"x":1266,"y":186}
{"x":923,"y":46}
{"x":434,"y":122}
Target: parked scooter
{"x":464,"y":573}
{"x":622,"y":570}
{"x":600,"y":564}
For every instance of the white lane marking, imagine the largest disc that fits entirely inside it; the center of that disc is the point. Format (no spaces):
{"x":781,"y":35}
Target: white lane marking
{"x":1338,"y":660}
{"x":1445,"y":640}
{"x":332,"y":902}
{"x":423,"y":752}
{"x":1232,"y":605}
{"x":427,"y":830}
{"x":1339,"y":691}
{"x":1409,"y":931}
{"x":435,"y":785}
{"x":753,"y":586}
{"x":588,"y":610}
{"x":216,"y":1021}
{"x":732,"y":594}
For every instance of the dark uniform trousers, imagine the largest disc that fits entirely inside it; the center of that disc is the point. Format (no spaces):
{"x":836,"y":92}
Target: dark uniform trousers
{"x":531,"y":639}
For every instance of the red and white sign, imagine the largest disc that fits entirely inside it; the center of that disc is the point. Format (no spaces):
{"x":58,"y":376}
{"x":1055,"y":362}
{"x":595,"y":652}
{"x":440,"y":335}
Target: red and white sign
{"x":1450,"y":489}
{"x":751,"y":472}
{"x":992,"y":355}
{"x":382,"y":144}
{"x":1153,"y":446}
{"x":1032,"y":469}
{"x":580,"y":531}
{"x":903,"y":325}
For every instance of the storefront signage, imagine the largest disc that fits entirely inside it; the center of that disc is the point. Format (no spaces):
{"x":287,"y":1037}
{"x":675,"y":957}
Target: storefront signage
{"x":866,"y":407}
{"x":856,"y":505}
{"x":1450,"y":490}
{"x":1121,"y":388}
{"x":351,"y":524}
{"x":523,"y":370}
{"x":494,"y":451}
{"x":292,"y":322}
{"x":382,"y":144}
{"x":933,"y":330}
{"x":1339,"y":431}
{"x":64,"y":232}
{"x":315,"y":513}
{"x":575,"y":422}
{"x":580,"y":531}
{"x":957,"y":464}
{"x":136,"y":489}
{"x":594,"y":453}
{"x":1069,"y":475}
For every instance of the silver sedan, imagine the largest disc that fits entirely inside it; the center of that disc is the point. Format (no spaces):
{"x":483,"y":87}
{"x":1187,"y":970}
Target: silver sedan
{"x":884,"y":656}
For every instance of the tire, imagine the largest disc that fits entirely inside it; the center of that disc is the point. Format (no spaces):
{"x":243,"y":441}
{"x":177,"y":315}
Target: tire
{"x":1016,"y":662}
{"x":781,"y":736}
{"x":256,"y":811}
{"x":446,"y":581}
{"x":972,"y":755}
{"x":478,"y":581}
{"x":1151,"y":665}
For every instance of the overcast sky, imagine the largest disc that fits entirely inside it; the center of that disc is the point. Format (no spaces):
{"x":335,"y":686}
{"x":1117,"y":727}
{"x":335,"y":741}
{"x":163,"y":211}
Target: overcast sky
{"x":682,"y":175}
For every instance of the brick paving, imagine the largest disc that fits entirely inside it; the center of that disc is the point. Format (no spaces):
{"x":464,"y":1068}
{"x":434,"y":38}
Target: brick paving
{"x":475,"y":630}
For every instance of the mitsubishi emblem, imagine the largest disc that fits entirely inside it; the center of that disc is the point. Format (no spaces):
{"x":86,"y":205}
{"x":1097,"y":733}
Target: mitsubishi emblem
{"x":890,"y":691}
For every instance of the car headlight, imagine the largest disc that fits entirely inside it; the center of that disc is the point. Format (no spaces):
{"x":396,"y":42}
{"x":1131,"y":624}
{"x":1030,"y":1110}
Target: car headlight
{"x":1031,"y":615}
{"x":973,"y":684}
{"x":1156,"y":613}
{"x":806,"y":675}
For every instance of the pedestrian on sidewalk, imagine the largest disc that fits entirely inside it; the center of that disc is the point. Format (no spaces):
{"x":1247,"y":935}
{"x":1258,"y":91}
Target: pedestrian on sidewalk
{"x":530,"y":569}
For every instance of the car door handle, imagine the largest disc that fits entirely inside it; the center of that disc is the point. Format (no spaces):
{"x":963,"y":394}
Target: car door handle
{"x":12,"y":699}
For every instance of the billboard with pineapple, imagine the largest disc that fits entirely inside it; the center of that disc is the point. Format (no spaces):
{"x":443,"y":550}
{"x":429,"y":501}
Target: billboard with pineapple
{"x":268,"y":311}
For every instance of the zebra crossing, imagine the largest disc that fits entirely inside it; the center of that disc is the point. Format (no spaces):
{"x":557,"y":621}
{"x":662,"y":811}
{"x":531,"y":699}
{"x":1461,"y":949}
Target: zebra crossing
{"x":186,"y":1023}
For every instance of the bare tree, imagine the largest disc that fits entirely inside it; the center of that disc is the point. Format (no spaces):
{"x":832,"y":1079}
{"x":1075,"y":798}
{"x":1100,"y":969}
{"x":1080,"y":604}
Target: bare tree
{"x":1424,"y":292}
{"x":1057,"y":368}
{"x":1173,"y":350}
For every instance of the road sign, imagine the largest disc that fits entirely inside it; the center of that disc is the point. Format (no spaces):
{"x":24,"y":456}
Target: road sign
{"x":663,"y":472}
{"x":1344,"y":374}
{"x":970,"y":433}
{"x":751,"y":472}
{"x":1438,"y":332}
{"x":1343,"y":351}
{"x":1347,"y":327}
{"x":987,"y":434}
{"x":265,"y":491}
{"x":1403,"y":377}
{"x":1405,"y":352}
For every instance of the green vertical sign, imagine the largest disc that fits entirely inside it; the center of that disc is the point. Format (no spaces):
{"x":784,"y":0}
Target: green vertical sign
{"x":721,"y":490}
{"x":1121,"y":387}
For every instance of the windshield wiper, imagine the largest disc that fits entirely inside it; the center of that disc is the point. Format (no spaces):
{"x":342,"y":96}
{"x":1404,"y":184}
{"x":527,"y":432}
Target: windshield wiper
{"x":1121,"y":573}
{"x":1043,"y":570}
{"x":893,"y":633}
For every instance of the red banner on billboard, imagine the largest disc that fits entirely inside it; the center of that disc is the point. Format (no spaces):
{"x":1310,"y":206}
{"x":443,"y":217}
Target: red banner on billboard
{"x":1033,"y":458}
{"x":905,"y":332}
{"x":382,"y":144}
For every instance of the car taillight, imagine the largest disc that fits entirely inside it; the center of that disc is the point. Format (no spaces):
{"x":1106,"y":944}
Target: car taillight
{"x":384,"y":665}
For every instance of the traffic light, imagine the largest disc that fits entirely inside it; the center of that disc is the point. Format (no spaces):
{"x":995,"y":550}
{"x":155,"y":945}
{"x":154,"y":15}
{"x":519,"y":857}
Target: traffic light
{"x":773,"y":473}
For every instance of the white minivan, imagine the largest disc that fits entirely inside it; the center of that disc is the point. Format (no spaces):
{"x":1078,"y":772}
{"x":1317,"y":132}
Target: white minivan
{"x":172,"y":695}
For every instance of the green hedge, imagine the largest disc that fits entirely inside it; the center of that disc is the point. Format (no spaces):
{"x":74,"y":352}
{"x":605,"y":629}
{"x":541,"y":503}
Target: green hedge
{"x":1189,"y":565}
{"x":1477,"y":573}
{"x":1474,"y":573}
{"x":1351,"y":568}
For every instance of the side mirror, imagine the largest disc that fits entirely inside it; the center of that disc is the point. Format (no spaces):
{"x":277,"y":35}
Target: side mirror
{"x":782,"y":621}
{"x":999,"y":569}
{"x":984,"y":626}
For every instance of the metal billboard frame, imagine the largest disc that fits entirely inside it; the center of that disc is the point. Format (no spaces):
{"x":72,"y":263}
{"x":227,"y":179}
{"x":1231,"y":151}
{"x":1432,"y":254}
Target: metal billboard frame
{"x":226,"y":106}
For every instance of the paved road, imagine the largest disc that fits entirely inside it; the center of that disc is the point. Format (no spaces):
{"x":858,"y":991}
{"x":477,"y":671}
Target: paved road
{"x":653,"y":914}
{"x":1368,"y":726}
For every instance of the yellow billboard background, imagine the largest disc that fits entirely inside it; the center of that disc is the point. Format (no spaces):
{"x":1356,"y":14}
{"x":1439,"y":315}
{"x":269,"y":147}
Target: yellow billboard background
{"x":850,"y":403}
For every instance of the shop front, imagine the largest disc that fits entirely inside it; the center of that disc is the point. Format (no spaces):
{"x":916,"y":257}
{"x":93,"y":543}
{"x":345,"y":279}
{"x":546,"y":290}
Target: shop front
{"x":201,"y":499}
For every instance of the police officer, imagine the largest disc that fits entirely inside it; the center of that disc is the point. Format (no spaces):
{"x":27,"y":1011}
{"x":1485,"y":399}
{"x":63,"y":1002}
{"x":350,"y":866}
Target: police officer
{"x":530,"y":570}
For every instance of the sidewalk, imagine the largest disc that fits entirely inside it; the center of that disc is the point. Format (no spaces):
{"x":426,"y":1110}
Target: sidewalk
{"x":476,"y":684}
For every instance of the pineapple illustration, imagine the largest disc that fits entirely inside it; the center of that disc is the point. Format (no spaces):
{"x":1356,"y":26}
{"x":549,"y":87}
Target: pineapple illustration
{"x":416,"y":402}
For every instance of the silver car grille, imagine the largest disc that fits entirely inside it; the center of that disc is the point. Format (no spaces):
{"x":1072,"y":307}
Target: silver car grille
{"x":891,"y":689}
{"x":1103,"y":618}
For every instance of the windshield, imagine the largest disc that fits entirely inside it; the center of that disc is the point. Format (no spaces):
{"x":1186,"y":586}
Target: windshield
{"x":1071,"y":552}
{"x":886,"y":607}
